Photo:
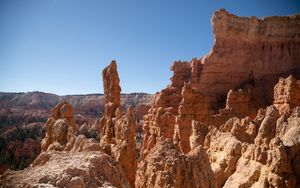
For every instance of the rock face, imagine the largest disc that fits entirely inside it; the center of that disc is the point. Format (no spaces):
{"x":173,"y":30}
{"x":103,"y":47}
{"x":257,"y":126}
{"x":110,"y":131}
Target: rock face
{"x":167,"y":167}
{"x":68,"y":160}
{"x":286,"y":94}
{"x":249,"y":51}
{"x":65,"y":169}
{"x":262,"y":151}
{"x":245,"y":63}
{"x":118,"y":129}
{"x":265,"y":161}
{"x":112,"y":89}
{"x":223,"y":102}
{"x":215,"y":125}
{"x":60,"y":128}
{"x":22,"y":116}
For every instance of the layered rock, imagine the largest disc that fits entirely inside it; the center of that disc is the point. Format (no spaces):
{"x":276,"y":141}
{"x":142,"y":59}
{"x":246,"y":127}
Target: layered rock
{"x":161,"y":119}
{"x":220,"y":102}
{"x":194,"y":106}
{"x":268,"y":161}
{"x":238,"y":104}
{"x":165,"y":166}
{"x":65,"y":169}
{"x":250,"y":51}
{"x":60,"y":128}
{"x":286,"y":94}
{"x":118,"y":129}
{"x":245,"y":63}
{"x":255,"y":153}
{"x":67,"y":160}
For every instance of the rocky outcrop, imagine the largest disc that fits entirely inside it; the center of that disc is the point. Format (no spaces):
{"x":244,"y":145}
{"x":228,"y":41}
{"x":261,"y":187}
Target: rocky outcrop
{"x":254,"y":153}
{"x":268,"y":162}
{"x":65,"y":169}
{"x":223,"y":150}
{"x":22,"y":116}
{"x":61,"y":132}
{"x":286,"y":94}
{"x":194,"y":106}
{"x":238,"y":104}
{"x":167,"y":167}
{"x":118,"y":129}
{"x":112,"y":89}
{"x":249,"y":51}
{"x":161,"y":119}
{"x":214,"y":125}
{"x":60,"y":128}
{"x":245,"y":63}
{"x":67,"y":160}
{"x":223,"y":102}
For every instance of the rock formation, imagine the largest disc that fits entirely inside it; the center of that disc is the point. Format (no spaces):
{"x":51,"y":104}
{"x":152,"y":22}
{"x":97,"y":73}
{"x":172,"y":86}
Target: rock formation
{"x":65,"y":169}
{"x":22,"y":116}
{"x":249,"y":51}
{"x":223,"y":102}
{"x":118,"y":129}
{"x":243,"y":152}
{"x":68,"y":160}
{"x":286,"y":94}
{"x":167,"y":167}
{"x":221,"y":122}
{"x":60,"y":128}
{"x":248,"y":57}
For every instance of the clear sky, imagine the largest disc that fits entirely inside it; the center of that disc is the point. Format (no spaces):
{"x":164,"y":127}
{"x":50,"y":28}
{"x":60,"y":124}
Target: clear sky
{"x":61,"y":46}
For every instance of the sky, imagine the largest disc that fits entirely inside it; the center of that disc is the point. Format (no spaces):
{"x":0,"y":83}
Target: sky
{"x":61,"y":46}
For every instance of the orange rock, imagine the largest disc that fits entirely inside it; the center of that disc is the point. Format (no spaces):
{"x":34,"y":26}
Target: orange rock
{"x":248,"y":56}
{"x":60,"y":128}
{"x":244,"y":64}
{"x":112,"y":89}
{"x":118,"y":129}
{"x":167,"y":167}
{"x":287,"y":94}
{"x":68,"y":169}
{"x":194,"y":106}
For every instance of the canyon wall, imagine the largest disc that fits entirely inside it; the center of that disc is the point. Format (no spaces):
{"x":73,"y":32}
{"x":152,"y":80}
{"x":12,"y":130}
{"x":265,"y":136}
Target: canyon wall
{"x":232,"y":102}
{"x":23,"y":114}
{"x":229,"y":119}
{"x":248,"y":57}
{"x":71,"y":160}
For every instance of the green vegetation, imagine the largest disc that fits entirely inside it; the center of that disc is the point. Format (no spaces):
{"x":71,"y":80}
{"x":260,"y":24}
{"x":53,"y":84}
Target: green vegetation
{"x":17,"y":134}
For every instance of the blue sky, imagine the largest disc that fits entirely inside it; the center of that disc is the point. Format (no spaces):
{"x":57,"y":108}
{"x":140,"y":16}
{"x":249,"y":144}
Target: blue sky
{"x":61,"y":46}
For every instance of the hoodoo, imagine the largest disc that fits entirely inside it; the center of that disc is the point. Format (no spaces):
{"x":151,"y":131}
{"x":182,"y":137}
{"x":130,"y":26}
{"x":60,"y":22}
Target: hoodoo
{"x":224,"y":102}
{"x":228,"y":119}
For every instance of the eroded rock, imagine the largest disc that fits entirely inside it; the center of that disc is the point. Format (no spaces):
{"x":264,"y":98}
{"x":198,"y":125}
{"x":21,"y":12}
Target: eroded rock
{"x":118,"y":128}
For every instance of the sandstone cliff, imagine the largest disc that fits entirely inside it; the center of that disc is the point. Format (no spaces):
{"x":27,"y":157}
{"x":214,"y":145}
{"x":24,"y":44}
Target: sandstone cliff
{"x":223,"y":102}
{"x":71,"y":160}
{"x":23,"y":114}
{"x":67,"y":160}
{"x":117,"y":128}
{"x":225,"y":120}
{"x":248,"y":57}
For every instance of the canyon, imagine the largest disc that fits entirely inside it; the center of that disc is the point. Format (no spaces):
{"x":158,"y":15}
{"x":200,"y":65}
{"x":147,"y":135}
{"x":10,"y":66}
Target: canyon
{"x":22,"y":116}
{"x":228,"y":119}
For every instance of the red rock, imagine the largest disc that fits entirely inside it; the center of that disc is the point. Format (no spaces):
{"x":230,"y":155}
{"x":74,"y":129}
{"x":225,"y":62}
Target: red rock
{"x":112,"y":89}
{"x":248,"y":56}
{"x":118,"y":129}
{"x":287,"y":94}
{"x":167,"y":167}
{"x":245,"y":63}
{"x":60,"y":128}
